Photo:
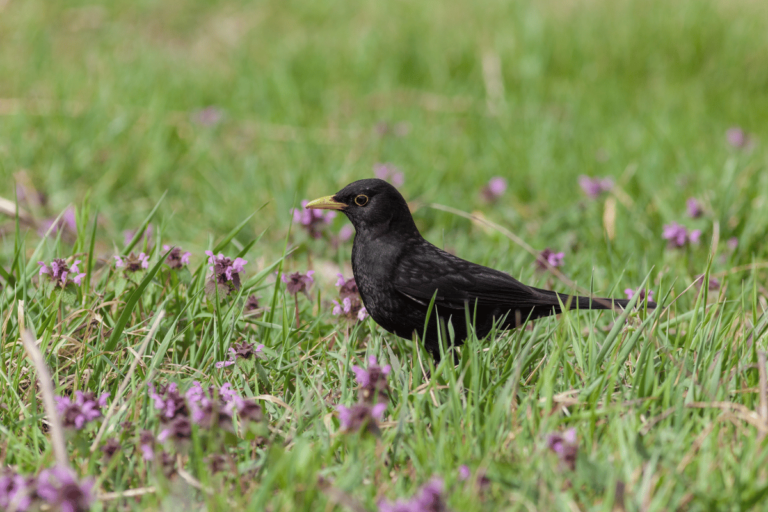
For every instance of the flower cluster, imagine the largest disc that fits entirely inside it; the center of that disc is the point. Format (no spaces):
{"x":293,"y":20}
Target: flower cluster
{"x":593,"y":187}
{"x":643,"y":294}
{"x":494,"y":189}
{"x":373,"y":381}
{"x":737,"y":137}
{"x":428,"y":499}
{"x":207,"y":408}
{"x":298,"y":283}
{"x":712,"y":285}
{"x":242,"y":350}
{"x":555,"y":259}
{"x":66,"y":223}
{"x":693,"y":207}
{"x":175,"y":258}
{"x":565,"y":446}
{"x":373,"y":395}
{"x":312,"y":220}
{"x":128,"y":235}
{"x":679,"y":236}
{"x":57,"y":488}
{"x":59,"y":272}
{"x":349,"y":305}
{"x":82,"y":410}
{"x":209,"y":116}
{"x":132,"y":263}
{"x":390,"y":173}
{"x":225,"y":273}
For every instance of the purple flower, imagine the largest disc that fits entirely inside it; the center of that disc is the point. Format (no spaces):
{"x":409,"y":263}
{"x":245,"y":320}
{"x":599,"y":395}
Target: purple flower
{"x":209,"y":116}
{"x":347,"y":287}
{"x":298,"y":282}
{"x":59,"y":272}
{"x":206,"y":410}
{"x":247,"y":409}
{"x":494,"y":189}
{"x":67,"y":223}
{"x":346,"y":232}
{"x":84,"y":409}
{"x":349,"y":304}
{"x":390,"y":173}
{"x":59,"y":488}
{"x":555,"y":259}
{"x":693,"y":207}
{"x":643,"y":293}
{"x":737,"y":137}
{"x":128,"y":235}
{"x":251,"y":303}
{"x":168,"y":401}
{"x":175,"y":258}
{"x":345,"y":307}
{"x":428,"y":499}
{"x":678,"y":235}
{"x":147,"y":445}
{"x":178,"y":430}
{"x":361,"y":417}
{"x":464,"y":472}
{"x":110,"y":447}
{"x":242,"y":350}
{"x":593,"y":187}
{"x":16,"y":491}
{"x":225,"y":273}
{"x":373,"y":381}
{"x":733,"y":243}
{"x":566,"y":446}
{"x":132,"y":263}
{"x":312,"y":220}
{"x":712,"y":285}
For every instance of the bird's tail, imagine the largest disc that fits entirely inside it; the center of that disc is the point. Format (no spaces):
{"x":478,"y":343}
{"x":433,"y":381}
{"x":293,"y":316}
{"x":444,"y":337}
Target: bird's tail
{"x":553,"y":299}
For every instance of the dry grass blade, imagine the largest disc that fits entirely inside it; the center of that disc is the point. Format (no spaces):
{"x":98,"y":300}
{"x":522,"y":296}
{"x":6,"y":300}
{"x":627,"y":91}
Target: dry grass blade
{"x":46,"y":388}
{"x":127,"y":379}
{"x":130,"y":493}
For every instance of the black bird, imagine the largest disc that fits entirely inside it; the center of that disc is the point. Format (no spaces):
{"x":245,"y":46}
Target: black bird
{"x":398,"y":272}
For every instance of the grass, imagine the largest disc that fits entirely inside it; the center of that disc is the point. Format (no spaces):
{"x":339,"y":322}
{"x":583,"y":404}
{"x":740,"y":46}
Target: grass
{"x":99,"y":106}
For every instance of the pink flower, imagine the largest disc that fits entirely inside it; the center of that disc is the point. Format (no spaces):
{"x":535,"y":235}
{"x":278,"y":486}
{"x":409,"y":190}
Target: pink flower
{"x":693,"y":207}
{"x":643,"y":293}
{"x":390,"y":173}
{"x":593,"y":187}
{"x":737,"y":137}
{"x":494,"y":189}
{"x":313,"y":221}
{"x":298,"y":283}
{"x":59,"y":272}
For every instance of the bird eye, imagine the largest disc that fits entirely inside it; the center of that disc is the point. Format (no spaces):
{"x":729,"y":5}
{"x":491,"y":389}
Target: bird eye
{"x":361,"y":200}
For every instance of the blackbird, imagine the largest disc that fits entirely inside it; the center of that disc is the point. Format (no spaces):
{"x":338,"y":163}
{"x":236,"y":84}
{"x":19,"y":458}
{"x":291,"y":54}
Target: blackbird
{"x":398,"y":273}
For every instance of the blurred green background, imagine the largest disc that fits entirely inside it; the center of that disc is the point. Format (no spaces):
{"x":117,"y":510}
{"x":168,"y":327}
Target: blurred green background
{"x":229,"y":105}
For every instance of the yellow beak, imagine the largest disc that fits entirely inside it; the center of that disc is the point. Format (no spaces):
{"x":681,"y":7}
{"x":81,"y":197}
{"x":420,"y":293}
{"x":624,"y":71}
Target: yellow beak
{"x":325,"y":203}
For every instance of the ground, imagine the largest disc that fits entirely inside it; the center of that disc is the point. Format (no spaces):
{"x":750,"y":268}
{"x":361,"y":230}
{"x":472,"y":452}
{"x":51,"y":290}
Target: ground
{"x":210,"y":121}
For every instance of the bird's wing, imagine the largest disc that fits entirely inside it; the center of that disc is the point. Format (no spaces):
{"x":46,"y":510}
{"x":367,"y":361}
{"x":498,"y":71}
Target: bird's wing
{"x":428,"y":270}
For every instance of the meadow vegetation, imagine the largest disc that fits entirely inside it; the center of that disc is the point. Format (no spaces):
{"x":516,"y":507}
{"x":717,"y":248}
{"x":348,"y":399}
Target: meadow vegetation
{"x":205,"y":354}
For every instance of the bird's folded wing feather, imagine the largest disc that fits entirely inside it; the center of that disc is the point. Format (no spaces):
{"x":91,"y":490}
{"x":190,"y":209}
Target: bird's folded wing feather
{"x":456,"y":282}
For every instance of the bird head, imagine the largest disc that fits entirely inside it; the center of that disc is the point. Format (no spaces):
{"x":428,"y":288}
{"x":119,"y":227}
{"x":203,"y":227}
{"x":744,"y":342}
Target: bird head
{"x":371,"y":205}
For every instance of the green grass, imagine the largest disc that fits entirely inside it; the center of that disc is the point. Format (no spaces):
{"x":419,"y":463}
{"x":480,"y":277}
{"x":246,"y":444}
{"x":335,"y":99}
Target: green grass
{"x":97,"y":109}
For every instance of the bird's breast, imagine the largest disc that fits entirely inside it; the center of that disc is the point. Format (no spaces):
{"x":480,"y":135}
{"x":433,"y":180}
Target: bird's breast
{"x":374,"y":263}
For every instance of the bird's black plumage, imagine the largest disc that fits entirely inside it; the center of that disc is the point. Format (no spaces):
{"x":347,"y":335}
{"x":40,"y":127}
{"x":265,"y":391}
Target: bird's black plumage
{"x":398,"y":272}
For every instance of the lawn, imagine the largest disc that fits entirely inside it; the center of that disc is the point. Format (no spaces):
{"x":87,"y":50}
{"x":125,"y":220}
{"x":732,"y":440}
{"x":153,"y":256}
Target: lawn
{"x":628,"y":135}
